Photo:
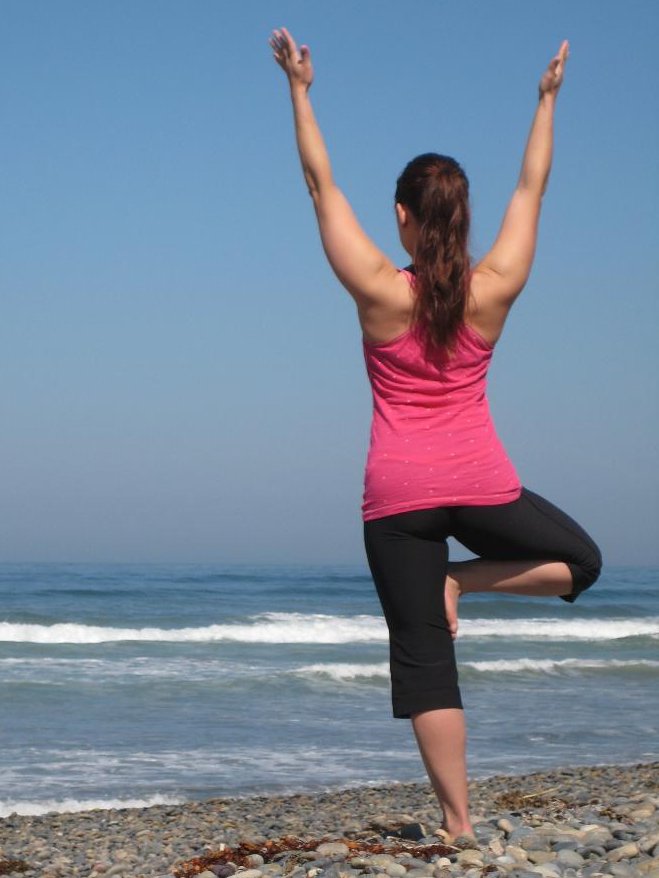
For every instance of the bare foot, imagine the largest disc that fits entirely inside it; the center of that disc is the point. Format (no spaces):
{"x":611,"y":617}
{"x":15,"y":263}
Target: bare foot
{"x":461,"y":836}
{"x":451,"y":597}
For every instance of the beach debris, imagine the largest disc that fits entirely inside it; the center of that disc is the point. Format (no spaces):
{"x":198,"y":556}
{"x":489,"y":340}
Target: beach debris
{"x":290,"y":844}
{"x":9,"y":866}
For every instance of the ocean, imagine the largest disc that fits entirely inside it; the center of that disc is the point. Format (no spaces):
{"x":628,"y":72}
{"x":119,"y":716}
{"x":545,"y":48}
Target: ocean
{"x":132,"y":685}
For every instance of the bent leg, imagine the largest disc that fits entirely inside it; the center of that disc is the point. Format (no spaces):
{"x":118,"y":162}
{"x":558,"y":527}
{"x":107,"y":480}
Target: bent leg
{"x":528,"y":547}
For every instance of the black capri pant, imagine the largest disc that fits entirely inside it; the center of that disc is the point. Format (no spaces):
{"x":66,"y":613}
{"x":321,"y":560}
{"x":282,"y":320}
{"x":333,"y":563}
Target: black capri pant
{"x":408,"y":557}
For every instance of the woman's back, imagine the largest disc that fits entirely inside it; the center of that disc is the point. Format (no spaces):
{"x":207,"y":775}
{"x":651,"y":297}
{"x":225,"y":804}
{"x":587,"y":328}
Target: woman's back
{"x":432,"y":440}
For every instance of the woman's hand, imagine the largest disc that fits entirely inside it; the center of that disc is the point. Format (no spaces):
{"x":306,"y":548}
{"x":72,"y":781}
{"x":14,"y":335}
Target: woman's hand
{"x":296,"y":65}
{"x":553,"y":75}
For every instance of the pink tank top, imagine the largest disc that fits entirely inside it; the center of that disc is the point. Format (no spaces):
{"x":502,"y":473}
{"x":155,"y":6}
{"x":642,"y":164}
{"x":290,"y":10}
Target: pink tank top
{"x":433,"y":442}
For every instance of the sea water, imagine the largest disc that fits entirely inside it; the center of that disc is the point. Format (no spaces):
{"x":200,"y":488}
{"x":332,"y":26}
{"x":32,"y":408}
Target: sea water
{"x":133,"y":685}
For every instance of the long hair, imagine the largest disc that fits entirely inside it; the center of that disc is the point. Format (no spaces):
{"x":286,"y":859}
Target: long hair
{"x":436,"y":190}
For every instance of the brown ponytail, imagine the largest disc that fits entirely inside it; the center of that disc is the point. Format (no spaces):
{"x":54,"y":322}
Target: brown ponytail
{"x":436,"y":190}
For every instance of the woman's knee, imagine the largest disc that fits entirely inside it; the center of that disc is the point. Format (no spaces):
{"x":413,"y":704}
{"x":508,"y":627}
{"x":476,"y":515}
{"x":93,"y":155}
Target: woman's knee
{"x":585,"y":572}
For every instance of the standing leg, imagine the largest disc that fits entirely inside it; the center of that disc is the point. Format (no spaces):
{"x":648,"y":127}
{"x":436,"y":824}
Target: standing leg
{"x":408,"y":558}
{"x":442,"y":739}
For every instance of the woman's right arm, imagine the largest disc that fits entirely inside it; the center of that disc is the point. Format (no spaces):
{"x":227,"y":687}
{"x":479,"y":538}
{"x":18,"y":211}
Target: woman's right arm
{"x":501,"y":275}
{"x":363,"y":269}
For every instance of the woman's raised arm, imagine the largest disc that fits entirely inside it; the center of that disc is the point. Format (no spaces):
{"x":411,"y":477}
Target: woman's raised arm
{"x":501,"y":275}
{"x":367,"y":273}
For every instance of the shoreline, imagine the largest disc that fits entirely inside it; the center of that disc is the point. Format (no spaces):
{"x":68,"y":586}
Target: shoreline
{"x":292,"y":791}
{"x":156,"y":839}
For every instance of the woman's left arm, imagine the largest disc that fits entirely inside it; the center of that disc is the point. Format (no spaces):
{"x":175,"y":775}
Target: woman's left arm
{"x":363,"y":269}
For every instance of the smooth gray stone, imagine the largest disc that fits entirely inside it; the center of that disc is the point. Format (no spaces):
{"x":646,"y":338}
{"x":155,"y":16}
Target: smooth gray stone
{"x":413,"y":862}
{"x":339,"y":870}
{"x":535,"y":842}
{"x":621,"y":870}
{"x":593,"y":850}
{"x":484,"y":832}
{"x":519,"y":833}
{"x":571,"y":845}
{"x":570,"y":858}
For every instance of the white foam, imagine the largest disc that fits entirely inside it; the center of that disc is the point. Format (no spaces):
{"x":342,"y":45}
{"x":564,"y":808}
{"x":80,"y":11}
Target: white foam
{"x":560,"y":629}
{"x":44,"y":806}
{"x":553,"y":666}
{"x":344,"y":672}
{"x":323,"y":628}
{"x":128,"y":672}
{"x":266,"y":628}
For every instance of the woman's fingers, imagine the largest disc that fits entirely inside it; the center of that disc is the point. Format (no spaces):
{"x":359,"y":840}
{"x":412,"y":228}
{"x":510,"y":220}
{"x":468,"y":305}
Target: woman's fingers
{"x":290,"y":42}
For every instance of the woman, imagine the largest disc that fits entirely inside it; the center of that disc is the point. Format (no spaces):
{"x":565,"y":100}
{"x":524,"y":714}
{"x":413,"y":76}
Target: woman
{"x":435,"y":466}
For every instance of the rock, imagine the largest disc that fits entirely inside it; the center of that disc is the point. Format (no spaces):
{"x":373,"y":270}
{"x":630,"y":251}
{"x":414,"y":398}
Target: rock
{"x":598,"y":835}
{"x":623,"y":852}
{"x":647,"y":842}
{"x":333,"y":849}
{"x":506,"y":825}
{"x":518,"y":853}
{"x":570,"y":845}
{"x":535,"y":842}
{"x":496,"y":846}
{"x":249,"y":873}
{"x":642,"y":813}
{"x":336,"y":870}
{"x":622,"y":870}
{"x":395,"y":870}
{"x":470,"y":857}
{"x":569,"y":858}
{"x":547,"y":870}
{"x":380,"y":861}
{"x":541,"y":856}
{"x":485,"y":833}
{"x":255,"y":860}
{"x":412,"y":831}
{"x":520,"y":832}
{"x":593,"y":850}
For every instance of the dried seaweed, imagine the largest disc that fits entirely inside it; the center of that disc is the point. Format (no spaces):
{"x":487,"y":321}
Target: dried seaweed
{"x":8,"y":866}
{"x":290,"y":843}
{"x":515,"y":800}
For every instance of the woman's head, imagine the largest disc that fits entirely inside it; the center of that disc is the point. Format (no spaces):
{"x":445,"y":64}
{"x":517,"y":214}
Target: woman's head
{"x":432,"y":209}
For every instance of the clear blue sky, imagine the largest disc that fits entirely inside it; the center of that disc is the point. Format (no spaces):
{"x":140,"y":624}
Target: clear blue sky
{"x":182,"y":376}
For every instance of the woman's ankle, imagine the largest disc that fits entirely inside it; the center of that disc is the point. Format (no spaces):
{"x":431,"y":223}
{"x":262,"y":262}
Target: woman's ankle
{"x":454,"y":830}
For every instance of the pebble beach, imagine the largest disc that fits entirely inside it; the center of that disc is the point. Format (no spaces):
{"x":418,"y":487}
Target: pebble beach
{"x":562,"y":823}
